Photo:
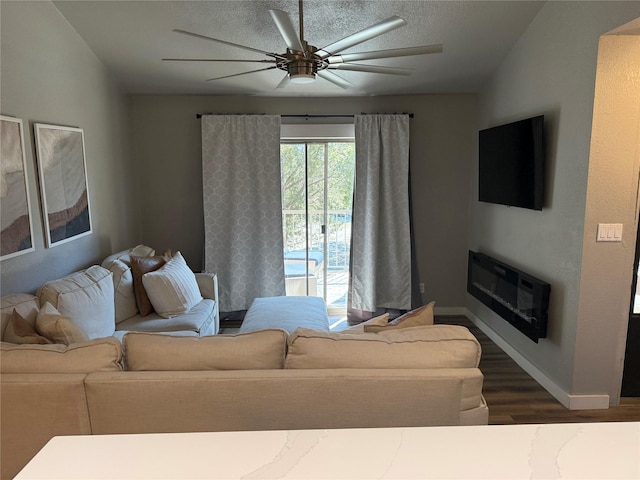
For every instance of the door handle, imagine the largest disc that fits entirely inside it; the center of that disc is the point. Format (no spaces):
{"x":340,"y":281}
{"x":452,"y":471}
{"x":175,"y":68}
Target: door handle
{"x":323,"y":229}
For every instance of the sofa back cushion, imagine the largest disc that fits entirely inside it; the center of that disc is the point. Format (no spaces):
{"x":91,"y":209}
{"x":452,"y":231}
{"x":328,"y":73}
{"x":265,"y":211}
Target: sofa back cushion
{"x":259,"y":350}
{"x":102,"y":355}
{"x":86,"y":297}
{"x":26,"y":305}
{"x":436,"y":346}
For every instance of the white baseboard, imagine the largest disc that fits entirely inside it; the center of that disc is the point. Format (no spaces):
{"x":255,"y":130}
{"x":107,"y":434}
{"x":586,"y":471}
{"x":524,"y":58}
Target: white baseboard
{"x":572,"y":402}
{"x":588,"y":402}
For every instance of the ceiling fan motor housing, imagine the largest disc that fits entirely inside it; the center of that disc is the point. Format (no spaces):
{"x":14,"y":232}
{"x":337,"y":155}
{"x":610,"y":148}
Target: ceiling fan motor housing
{"x":302,"y":64}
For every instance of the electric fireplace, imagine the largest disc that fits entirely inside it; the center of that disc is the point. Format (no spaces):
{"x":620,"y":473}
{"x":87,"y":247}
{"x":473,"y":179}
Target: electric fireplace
{"x":519,"y":298}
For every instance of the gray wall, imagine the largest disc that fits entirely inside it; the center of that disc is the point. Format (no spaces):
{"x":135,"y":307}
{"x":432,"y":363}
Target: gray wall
{"x":552,"y":71}
{"x":49,"y":75}
{"x":168,"y":153}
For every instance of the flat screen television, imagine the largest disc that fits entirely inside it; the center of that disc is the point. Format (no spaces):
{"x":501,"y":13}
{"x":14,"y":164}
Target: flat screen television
{"x":511,"y":164}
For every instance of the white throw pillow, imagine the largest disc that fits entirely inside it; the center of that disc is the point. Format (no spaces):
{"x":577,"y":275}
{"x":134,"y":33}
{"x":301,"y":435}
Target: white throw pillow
{"x":172,"y":289}
{"x":85,"y":297}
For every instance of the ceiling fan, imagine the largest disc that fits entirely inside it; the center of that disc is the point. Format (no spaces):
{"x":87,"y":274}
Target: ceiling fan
{"x":302,"y":62}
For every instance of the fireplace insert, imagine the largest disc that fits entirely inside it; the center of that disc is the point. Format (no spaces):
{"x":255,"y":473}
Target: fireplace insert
{"x":519,"y":298}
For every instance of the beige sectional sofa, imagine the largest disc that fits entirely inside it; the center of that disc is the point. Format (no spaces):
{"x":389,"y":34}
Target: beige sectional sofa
{"x":123,"y":372}
{"x":268,"y":379}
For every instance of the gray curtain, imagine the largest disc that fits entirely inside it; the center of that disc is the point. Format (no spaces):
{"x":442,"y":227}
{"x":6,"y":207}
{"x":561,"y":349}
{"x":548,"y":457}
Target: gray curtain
{"x":381,"y":240}
{"x":243,"y":207}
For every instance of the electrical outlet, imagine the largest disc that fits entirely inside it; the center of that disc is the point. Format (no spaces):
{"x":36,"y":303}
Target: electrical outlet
{"x":421,"y":285}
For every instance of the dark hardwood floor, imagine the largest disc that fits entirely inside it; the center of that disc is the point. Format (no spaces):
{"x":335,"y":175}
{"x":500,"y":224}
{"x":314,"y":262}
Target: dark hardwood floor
{"x":514,"y":397}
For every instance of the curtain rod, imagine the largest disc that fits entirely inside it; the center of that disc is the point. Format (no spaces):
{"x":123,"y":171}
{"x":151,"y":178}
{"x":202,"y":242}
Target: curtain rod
{"x":200,"y":115}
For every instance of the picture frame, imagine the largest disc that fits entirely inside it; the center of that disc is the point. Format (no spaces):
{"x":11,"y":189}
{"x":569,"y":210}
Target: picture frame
{"x":15,"y":208}
{"x":64,"y":188}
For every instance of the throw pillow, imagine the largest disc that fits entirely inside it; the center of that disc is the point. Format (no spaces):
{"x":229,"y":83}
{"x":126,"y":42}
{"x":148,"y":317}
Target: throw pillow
{"x":20,"y":331}
{"x":379,"y":321}
{"x":58,"y":328}
{"x":172,"y":289}
{"x":139,"y":267}
{"x":415,"y":318}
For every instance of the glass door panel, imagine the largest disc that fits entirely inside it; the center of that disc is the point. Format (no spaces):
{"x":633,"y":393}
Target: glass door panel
{"x":339,"y":181}
{"x":317,"y":192}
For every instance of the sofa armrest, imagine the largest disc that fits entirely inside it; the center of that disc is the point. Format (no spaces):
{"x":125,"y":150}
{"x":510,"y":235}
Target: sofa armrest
{"x":208,"y":285}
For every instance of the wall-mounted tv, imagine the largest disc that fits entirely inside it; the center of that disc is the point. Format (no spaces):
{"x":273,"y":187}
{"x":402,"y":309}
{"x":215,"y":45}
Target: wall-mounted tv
{"x":511,"y":164}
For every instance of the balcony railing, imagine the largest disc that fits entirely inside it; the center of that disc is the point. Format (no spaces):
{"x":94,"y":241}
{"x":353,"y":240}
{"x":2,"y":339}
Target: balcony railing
{"x":329,"y":235}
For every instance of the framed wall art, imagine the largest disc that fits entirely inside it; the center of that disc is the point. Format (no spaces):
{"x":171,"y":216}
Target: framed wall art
{"x":15,"y":207}
{"x":63,"y":183}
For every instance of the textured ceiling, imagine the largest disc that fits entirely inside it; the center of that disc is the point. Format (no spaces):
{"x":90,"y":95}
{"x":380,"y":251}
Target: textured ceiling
{"x":132,"y":37}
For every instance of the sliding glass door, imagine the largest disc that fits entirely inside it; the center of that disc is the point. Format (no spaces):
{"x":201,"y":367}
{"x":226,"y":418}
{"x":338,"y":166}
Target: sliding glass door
{"x":317,"y":194}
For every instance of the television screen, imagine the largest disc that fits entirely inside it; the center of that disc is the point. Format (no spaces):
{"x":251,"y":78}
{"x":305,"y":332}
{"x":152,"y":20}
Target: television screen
{"x":511,"y":164}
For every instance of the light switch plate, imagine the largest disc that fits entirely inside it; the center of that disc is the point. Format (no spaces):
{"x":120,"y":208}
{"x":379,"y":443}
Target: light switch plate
{"x":609,"y":232}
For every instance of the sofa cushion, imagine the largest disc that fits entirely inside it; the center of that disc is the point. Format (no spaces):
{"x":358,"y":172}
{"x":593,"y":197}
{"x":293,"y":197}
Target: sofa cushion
{"x":435,"y":346}
{"x":86,"y":297}
{"x":58,"y":328}
{"x":26,"y":305}
{"x":172,"y":289}
{"x":99,"y":355}
{"x":380,"y":320}
{"x":22,"y":332}
{"x":415,"y":318}
{"x":264,"y":349}
{"x":198,"y":319}
{"x":125,"y":297}
{"x":139,"y":267}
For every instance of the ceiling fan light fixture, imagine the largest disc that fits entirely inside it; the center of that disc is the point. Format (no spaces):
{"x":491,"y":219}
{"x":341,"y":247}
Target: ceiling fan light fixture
{"x":302,"y":78}
{"x":301,"y":71}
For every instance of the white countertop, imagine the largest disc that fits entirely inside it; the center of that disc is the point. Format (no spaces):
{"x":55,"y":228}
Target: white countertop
{"x":565,"y":451}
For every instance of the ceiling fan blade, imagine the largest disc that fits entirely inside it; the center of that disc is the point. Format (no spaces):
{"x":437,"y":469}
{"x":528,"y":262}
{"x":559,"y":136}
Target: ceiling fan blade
{"x":242,"y":73}
{"x":284,"y":82}
{"x":336,"y":79}
{"x":224,"y":42}
{"x":368,"y":33}
{"x":287,"y":30}
{"x":395,"y":52}
{"x":213,"y":60}
{"x":370,"y":68}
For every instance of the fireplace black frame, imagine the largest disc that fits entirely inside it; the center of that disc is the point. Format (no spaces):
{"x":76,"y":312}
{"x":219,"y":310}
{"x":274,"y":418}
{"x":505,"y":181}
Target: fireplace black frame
{"x":521,"y":299}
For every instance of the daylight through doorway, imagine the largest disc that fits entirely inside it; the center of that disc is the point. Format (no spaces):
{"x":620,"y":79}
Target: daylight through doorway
{"x":317,"y":196}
